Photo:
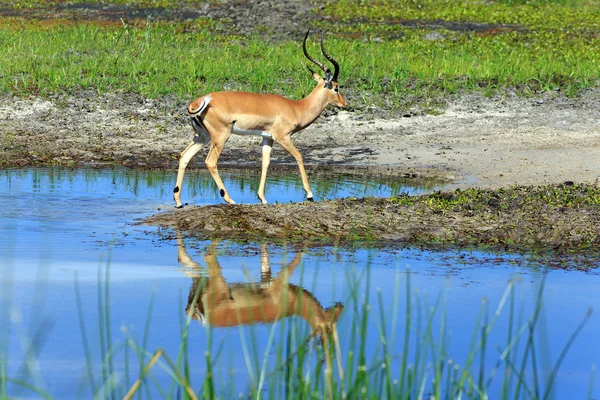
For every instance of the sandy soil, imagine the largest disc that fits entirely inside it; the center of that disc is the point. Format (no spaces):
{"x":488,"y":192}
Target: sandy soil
{"x":488,"y":142}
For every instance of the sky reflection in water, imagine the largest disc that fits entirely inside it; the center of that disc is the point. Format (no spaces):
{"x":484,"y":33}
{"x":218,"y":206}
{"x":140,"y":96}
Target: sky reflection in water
{"x":57,"y":224}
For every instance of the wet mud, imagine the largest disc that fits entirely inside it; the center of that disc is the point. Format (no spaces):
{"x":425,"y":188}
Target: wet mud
{"x":559,"y":218}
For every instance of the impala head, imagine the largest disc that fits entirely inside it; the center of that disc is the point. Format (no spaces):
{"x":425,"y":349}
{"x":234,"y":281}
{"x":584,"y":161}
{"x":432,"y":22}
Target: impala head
{"x":327,"y":329}
{"x":329,"y":81}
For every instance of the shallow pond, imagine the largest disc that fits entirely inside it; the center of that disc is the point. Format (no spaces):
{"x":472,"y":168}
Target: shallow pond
{"x":65,"y":233}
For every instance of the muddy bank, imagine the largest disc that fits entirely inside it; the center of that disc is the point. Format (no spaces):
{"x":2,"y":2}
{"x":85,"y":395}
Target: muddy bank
{"x":561,"y":218}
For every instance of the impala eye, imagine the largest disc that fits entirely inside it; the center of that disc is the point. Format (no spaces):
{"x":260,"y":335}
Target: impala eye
{"x":336,"y":89}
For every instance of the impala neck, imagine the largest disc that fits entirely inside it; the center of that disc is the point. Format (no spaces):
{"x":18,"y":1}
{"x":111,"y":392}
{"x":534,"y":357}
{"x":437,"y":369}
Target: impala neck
{"x":312,"y":106}
{"x":305,"y":305}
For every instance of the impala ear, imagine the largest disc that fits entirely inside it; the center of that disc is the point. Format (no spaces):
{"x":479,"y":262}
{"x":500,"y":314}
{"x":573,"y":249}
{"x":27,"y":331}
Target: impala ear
{"x":315,"y":76}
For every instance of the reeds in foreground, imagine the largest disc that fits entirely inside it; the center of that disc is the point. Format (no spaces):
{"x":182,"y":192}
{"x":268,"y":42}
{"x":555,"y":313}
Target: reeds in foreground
{"x":410,"y":358}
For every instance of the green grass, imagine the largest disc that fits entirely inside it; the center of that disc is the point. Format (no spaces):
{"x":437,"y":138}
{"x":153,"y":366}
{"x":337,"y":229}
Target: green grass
{"x":554,"y":15}
{"x":519,"y":197}
{"x":383,"y":62}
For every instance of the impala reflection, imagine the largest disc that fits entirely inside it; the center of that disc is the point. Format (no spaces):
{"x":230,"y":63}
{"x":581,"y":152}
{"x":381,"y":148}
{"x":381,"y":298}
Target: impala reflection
{"x":215,"y":302}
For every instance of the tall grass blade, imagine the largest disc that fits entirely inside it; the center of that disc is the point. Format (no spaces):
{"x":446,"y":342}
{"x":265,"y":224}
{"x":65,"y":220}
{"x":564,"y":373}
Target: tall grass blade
{"x":531,"y":324}
{"x":507,"y":382}
{"x":563,"y":353}
{"x":108,"y":326}
{"x":3,"y":376}
{"x":534,"y":363}
{"x":407,"y":326}
{"x":512,"y":367}
{"x":422,"y":387}
{"x":26,"y":385}
{"x":386,"y":354}
{"x":31,"y":348}
{"x":101,"y":326}
{"x":182,"y":379}
{"x":107,"y":389}
{"x":146,"y":336}
{"x":84,"y":337}
{"x":471,"y":356}
{"x":361,"y":381}
{"x":591,"y":385}
{"x":185,"y":326}
{"x":338,"y":355}
{"x":484,"y":332}
{"x":209,"y":381}
{"x":248,"y":361}
{"x":145,"y":371}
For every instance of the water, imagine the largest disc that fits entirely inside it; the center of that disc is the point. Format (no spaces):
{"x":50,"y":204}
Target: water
{"x":60,"y":229}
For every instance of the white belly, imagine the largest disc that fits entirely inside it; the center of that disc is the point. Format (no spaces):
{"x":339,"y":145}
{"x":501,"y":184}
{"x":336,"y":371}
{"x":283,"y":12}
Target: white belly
{"x":250,"y":132}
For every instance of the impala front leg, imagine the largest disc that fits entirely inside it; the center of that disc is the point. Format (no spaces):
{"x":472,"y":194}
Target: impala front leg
{"x":267,"y":146}
{"x":287,"y":144}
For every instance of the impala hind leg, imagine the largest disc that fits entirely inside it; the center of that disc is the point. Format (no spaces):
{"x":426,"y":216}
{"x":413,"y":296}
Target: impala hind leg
{"x":216,"y":147}
{"x":184,"y":159}
{"x":287,"y":144}
{"x":267,"y":146}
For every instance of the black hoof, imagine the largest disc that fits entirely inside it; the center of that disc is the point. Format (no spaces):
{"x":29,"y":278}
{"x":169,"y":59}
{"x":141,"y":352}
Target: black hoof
{"x":181,"y":206}
{"x":309,"y":199}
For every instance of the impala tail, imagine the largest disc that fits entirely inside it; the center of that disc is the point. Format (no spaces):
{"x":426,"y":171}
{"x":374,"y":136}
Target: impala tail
{"x":198,"y":106}
{"x":195,"y":109}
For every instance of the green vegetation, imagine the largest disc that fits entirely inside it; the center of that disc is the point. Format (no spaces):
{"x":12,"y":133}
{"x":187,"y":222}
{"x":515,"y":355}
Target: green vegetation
{"x":521,"y":197}
{"x":386,"y":49}
{"x":127,"y":368}
{"x":556,"y":217}
{"x":554,"y":15}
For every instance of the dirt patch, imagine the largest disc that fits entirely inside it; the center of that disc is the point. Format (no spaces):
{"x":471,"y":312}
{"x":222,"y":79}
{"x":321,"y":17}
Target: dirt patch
{"x":436,"y":27}
{"x":274,"y":19}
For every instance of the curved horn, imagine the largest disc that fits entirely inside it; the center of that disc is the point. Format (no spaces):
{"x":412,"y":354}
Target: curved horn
{"x":336,"y":66}
{"x":322,"y":66}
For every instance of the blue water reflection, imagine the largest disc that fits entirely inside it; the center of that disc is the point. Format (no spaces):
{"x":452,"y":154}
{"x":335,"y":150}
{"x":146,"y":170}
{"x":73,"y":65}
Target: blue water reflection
{"x":61,"y":227}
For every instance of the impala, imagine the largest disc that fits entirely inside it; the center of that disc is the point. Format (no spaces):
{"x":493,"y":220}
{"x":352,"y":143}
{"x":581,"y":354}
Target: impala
{"x":222,"y":304}
{"x":216,"y":116}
